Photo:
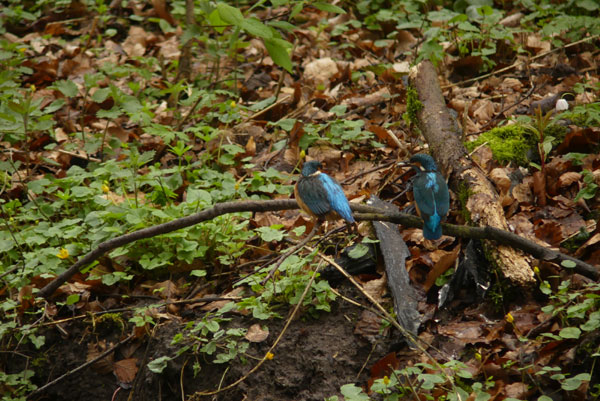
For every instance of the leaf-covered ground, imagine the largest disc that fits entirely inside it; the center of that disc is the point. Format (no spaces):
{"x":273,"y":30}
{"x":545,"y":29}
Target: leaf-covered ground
{"x":118,"y":117}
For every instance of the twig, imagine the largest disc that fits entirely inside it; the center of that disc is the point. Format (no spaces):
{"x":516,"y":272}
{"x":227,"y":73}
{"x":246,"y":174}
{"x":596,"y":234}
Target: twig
{"x":372,"y":170}
{"x":217,"y":210}
{"x":518,"y":63}
{"x":88,"y":363}
{"x":417,"y":342}
{"x":292,"y":251}
{"x":138,"y":377}
{"x":498,"y":114}
{"x":369,"y":214}
{"x":268,"y":355}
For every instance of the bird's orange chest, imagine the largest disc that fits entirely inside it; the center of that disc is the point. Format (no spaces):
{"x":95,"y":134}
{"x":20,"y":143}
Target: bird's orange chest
{"x":301,"y":203}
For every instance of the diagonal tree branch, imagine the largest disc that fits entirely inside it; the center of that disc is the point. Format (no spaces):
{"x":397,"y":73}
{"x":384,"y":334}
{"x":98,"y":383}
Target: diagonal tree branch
{"x":366,"y":213}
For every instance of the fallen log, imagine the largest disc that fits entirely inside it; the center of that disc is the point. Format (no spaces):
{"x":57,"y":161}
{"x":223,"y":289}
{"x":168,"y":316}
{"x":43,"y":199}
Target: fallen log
{"x":443,"y":135}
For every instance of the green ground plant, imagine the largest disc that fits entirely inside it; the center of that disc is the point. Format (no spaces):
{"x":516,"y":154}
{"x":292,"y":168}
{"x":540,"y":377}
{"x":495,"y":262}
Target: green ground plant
{"x":120,"y":187}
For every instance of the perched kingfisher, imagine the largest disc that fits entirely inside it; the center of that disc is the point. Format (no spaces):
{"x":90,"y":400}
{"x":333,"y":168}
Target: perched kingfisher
{"x":321,"y":196}
{"x":431,"y":195}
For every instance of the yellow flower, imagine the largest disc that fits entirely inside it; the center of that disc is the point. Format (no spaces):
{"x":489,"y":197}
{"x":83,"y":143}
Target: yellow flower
{"x":536,"y":270}
{"x":269,"y":356}
{"x":386,"y":380}
{"x":232,"y":104}
{"x":105,"y":188}
{"x":478,"y":356}
{"x":63,"y":253}
{"x":509,"y":318}
{"x":302,"y":154}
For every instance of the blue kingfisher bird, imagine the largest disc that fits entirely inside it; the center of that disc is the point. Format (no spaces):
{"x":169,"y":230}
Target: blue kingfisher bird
{"x":431,"y":195}
{"x":321,"y":196}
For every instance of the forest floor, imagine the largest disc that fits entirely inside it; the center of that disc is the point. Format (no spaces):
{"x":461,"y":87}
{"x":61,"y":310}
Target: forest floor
{"x":101,"y":136}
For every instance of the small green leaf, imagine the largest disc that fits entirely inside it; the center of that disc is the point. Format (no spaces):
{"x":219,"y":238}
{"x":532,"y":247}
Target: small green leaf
{"x":330,"y":8}
{"x":215,"y":21}
{"x":159,"y":364}
{"x":263,"y":104}
{"x":72,"y":299}
{"x":37,"y":341}
{"x":278,"y":50}
{"x":299,"y":230}
{"x":283,"y":25}
{"x":198,"y":273}
{"x":272,"y":233}
{"x":66,"y":87}
{"x":100,"y":95}
{"x":257,"y":28}
{"x":573,"y":383}
{"x":569,"y":264}
{"x":570,"y":332}
{"x":230,"y":14}
{"x":353,"y":393}
{"x":358,"y":251}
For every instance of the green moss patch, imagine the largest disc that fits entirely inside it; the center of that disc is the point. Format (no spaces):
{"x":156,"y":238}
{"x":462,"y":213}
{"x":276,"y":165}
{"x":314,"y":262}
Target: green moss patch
{"x":509,"y":143}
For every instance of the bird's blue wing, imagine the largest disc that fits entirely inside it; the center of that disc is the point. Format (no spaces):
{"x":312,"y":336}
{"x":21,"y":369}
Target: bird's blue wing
{"x":432,"y":199}
{"x":336,"y":197}
{"x":424,"y":194}
{"x":442,"y":196}
{"x":314,"y":195}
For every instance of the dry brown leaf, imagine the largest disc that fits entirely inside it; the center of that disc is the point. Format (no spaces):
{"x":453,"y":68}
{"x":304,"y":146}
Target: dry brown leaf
{"x":368,"y":325}
{"x":135,"y":44}
{"x":442,"y":261}
{"x":165,"y":289}
{"x":535,"y":42}
{"x":125,"y":370}
{"x":469,"y":332}
{"x":376,"y":288}
{"x":215,"y":305}
{"x":518,"y":390}
{"x":568,"y":178}
{"x":251,"y":147}
{"x":550,"y":231}
{"x":500,"y":178}
{"x":256,"y":334}
{"x":512,"y":84}
{"x":589,"y":243}
{"x":103,"y":365}
{"x":484,"y":111}
{"x":320,"y":71}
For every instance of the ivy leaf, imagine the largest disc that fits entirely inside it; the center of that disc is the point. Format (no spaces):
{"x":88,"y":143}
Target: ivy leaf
{"x":570,"y":333}
{"x":353,"y":393}
{"x":159,"y":364}
{"x":574,"y":382}
{"x":358,"y":251}
{"x":272,"y":233}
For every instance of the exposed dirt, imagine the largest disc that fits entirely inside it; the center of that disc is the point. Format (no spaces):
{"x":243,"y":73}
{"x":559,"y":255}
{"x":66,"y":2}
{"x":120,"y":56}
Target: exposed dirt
{"x":313,"y":359}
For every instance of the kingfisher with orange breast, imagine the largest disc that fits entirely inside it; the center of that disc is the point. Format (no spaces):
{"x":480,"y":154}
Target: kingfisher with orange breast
{"x":320,"y":195}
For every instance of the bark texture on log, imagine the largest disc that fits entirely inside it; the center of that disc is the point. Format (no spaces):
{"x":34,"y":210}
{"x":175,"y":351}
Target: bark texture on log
{"x":442,"y":134}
